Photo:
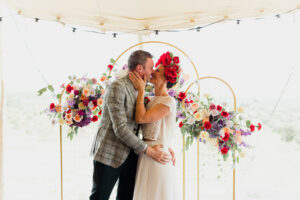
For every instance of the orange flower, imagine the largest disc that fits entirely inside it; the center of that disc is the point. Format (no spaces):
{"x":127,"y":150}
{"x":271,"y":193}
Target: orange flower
{"x":68,"y":117}
{"x":83,"y":97}
{"x":103,"y":78}
{"x":238,"y":137}
{"x":102,"y":91}
{"x":99,"y":101}
{"x":58,"y":108}
{"x":94,"y":108}
{"x":86,"y":92}
{"x":77,"y":118}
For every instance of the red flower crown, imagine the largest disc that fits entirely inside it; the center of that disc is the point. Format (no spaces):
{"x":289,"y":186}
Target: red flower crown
{"x":171,"y":64}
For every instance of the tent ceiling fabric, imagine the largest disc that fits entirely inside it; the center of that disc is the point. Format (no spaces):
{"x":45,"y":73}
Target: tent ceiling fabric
{"x":133,"y":15}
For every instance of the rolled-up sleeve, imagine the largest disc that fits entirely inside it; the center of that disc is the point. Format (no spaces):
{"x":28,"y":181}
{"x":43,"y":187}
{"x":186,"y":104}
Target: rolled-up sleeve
{"x":115,"y":103}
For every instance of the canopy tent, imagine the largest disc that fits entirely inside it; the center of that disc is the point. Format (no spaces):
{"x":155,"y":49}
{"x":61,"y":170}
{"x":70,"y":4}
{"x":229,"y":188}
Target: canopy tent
{"x":137,"y":15}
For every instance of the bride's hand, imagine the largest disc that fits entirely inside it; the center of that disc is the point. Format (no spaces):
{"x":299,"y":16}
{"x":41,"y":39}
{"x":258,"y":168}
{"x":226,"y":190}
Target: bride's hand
{"x":137,"y":81}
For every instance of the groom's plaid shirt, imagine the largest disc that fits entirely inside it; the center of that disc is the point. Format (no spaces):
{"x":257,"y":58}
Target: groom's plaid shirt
{"x":117,"y":132}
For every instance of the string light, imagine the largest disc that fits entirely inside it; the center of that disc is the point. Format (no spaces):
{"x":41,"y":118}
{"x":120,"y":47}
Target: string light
{"x":226,"y":18}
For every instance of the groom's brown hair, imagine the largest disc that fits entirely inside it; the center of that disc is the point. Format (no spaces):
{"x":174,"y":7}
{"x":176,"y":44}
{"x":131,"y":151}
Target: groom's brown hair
{"x":138,"y":57}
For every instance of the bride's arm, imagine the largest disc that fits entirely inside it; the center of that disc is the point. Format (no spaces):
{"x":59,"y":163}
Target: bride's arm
{"x":142,"y":116}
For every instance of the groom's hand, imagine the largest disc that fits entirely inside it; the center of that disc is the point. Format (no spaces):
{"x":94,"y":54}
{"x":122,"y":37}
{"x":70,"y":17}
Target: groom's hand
{"x":158,"y":155}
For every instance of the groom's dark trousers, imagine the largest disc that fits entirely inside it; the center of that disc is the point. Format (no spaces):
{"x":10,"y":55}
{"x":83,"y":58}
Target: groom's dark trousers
{"x":105,"y":178}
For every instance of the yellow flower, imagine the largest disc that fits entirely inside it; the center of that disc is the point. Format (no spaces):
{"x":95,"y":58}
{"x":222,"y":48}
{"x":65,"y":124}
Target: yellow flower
{"x":81,"y":105}
{"x":206,"y":95}
{"x":240,"y":109}
{"x":204,"y":135}
{"x":197,"y":116}
{"x":242,"y":154}
{"x":71,"y":96}
{"x":61,"y":121}
{"x":99,"y":101}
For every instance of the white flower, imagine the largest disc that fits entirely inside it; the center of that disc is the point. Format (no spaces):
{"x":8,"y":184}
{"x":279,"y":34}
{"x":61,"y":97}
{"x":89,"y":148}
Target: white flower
{"x":214,"y":112}
{"x":204,"y":113}
{"x":198,"y":116}
{"x":204,"y":135}
{"x":191,"y":121}
{"x":91,"y":105}
{"x":222,"y":133}
{"x":229,"y":124}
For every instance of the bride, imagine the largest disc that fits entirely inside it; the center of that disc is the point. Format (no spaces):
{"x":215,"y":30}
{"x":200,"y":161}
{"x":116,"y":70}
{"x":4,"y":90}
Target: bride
{"x":155,"y":181}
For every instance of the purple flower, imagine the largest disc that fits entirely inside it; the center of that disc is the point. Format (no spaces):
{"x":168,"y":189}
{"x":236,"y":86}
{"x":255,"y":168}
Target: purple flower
{"x":179,"y":115}
{"x":71,"y":102}
{"x":245,"y":133}
{"x":83,"y":122}
{"x":172,"y":93}
{"x":181,"y":81}
{"x":81,"y":112}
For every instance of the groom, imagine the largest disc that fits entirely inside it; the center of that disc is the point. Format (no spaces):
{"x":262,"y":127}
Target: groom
{"x":116,"y":144}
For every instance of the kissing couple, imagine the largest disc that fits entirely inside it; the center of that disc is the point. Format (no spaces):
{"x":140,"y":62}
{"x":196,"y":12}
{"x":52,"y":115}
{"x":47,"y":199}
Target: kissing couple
{"x":144,"y":168}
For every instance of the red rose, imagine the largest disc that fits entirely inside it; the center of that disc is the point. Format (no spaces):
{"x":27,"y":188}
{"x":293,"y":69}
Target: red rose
{"x":110,"y":67}
{"x":52,"y":106}
{"x":252,"y":128}
{"x":76,"y":92}
{"x":226,"y":137}
{"x":219,"y":108}
{"x":224,"y":150}
{"x":207,"y":125}
{"x":225,"y":114}
{"x":174,"y":67}
{"x":259,"y":126}
{"x":167,"y":59}
{"x":170,"y":74}
{"x":94,"y":118}
{"x":95,"y":102}
{"x":68,"y":111}
{"x":176,"y":60}
{"x":158,"y":62}
{"x":212,"y":107}
{"x":100,"y":112}
{"x":187,"y":101}
{"x":181,"y":96}
{"x":69,"y":88}
{"x":180,"y":124}
{"x":85,"y":102}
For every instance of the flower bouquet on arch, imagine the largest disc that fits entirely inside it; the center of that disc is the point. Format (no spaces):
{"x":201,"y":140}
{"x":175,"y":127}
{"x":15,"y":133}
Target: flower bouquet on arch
{"x":213,"y":124}
{"x":80,"y":101}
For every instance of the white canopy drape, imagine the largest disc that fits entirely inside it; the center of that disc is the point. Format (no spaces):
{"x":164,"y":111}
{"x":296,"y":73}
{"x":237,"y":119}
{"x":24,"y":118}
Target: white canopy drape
{"x":133,"y":15}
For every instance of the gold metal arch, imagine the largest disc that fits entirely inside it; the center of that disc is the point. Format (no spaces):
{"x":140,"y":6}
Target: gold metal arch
{"x":198,"y":78}
{"x":198,"y":142}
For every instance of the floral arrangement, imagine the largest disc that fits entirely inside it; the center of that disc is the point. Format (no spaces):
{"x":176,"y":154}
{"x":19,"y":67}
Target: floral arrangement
{"x":213,"y":124}
{"x":171,"y":64}
{"x":82,"y":101}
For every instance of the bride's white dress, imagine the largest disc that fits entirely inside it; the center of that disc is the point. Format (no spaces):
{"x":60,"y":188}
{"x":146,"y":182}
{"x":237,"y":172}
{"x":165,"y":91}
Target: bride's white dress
{"x":155,"y":181}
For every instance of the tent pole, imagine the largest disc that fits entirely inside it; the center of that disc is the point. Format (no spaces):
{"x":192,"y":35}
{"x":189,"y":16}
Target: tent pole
{"x":1,"y":117}
{"x":140,"y":39}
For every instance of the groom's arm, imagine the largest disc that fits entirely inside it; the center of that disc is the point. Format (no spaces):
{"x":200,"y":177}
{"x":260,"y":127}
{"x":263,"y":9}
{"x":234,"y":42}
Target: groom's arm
{"x":115,"y":103}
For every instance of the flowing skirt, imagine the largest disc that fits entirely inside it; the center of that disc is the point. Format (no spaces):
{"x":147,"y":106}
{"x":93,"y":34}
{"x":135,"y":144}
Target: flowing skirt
{"x":155,"y":181}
